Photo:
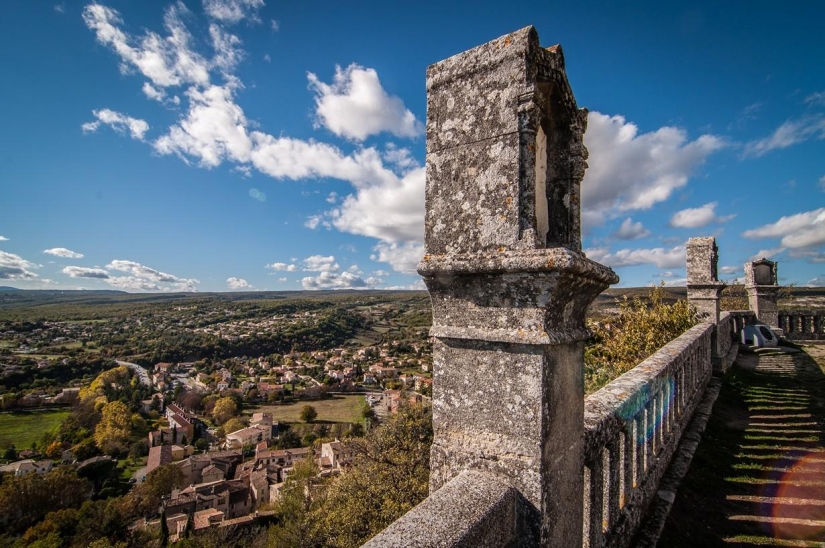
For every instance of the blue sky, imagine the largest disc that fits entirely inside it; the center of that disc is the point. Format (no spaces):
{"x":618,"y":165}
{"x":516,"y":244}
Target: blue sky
{"x":216,"y":145}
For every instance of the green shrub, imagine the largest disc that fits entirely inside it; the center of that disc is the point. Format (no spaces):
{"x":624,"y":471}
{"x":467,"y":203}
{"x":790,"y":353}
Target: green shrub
{"x":641,"y":328}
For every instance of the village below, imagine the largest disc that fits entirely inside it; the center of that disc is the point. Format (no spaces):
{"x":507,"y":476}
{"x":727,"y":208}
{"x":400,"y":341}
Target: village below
{"x":210,"y":418}
{"x":198,"y":407}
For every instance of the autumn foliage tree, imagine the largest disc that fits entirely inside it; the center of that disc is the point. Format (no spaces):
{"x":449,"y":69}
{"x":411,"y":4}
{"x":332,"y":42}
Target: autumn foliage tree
{"x":234,"y":424}
{"x":389,"y":476}
{"x":25,"y":500}
{"x":308,"y":413}
{"x":114,"y":429}
{"x":145,"y":499}
{"x":642,"y":327}
{"x":225,"y":409}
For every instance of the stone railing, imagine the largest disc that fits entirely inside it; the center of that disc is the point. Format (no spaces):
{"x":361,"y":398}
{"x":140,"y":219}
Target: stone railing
{"x":803,"y":324}
{"x":632,"y":428}
{"x":724,"y":334}
{"x":473,"y":510}
{"x":741,"y":318}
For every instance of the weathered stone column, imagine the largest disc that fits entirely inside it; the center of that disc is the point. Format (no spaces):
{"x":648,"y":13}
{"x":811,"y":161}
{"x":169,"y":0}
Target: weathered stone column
{"x":703,"y":287}
{"x":508,"y":282}
{"x":763,"y":289}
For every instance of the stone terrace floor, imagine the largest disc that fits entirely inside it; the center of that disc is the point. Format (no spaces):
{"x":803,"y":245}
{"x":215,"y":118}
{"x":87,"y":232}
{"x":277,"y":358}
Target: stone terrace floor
{"x":758,"y":476}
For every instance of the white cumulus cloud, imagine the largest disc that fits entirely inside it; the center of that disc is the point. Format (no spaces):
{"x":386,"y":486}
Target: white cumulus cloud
{"x":633,"y":171}
{"x":697,"y":217}
{"x":320,"y":263}
{"x":63,"y":252}
{"x":213,"y":130}
{"x":14,"y":267}
{"x":817,"y":98}
{"x":120,"y":122}
{"x":630,"y":230}
{"x":233,"y":11}
{"x":237,"y":283}
{"x":153,"y":93}
{"x":805,"y":229}
{"x":392,"y":211}
{"x":766,"y":253}
{"x":165,"y":60}
{"x":145,"y":278}
{"x":402,"y":257}
{"x":335,"y":280}
{"x":282,"y":267}
{"x":3,"y":239}
{"x":356,"y":106}
{"x":83,"y":272}
{"x":228,"y":52}
{"x":661,"y":257}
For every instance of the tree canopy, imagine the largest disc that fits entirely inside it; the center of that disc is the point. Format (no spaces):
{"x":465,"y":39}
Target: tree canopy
{"x":225,"y":408}
{"x":114,"y":429}
{"x":308,"y":413}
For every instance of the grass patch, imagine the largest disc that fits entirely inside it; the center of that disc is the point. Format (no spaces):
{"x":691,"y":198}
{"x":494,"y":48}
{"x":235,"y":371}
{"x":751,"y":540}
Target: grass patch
{"x":24,"y":428}
{"x":344,"y":409}
{"x":129,"y":467}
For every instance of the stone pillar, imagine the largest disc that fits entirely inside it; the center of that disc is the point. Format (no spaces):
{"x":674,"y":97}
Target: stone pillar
{"x":703,"y":287}
{"x":761,"y":285}
{"x":508,"y":282}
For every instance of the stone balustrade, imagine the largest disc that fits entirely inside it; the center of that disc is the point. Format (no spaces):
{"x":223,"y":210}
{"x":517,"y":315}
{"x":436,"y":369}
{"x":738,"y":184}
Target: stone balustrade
{"x":473,"y":510}
{"x":632,"y":428}
{"x":741,"y":318}
{"x":724,"y":333}
{"x":802,"y":324}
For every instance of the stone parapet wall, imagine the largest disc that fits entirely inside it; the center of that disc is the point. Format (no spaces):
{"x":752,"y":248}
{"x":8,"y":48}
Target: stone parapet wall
{"x":724,"y":333}
{"x":473,"y":510}
{"x":802,"y":324}
{"x":726,"y":347}
{"x":632,"y":428}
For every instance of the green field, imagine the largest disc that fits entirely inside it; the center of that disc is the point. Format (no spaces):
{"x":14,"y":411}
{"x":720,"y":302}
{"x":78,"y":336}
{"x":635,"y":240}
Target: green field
{"x":330,"y":410}
{"x":24,"y":428}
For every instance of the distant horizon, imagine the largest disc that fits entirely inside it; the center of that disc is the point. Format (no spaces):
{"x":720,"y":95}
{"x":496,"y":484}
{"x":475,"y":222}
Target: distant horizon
{"x":231,"y":145}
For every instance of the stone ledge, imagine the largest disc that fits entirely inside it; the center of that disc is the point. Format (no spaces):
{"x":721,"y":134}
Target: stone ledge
{"x":515,"y":336}
{"x":473,"y":510}
{"x":633,"y":389}
{"x":557,"y":259}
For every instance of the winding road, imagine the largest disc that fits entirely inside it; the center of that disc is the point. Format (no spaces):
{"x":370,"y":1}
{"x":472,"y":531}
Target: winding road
{"x":139,"y":370}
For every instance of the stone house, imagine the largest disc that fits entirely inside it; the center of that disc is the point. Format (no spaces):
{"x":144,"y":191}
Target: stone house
{"x":158,"y":456}
{"x":27,"y":466}
{"x":248,"y":436}
{"x":232,"y":498}
{"x":335,"y":455}
{"x":194,"y":466}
